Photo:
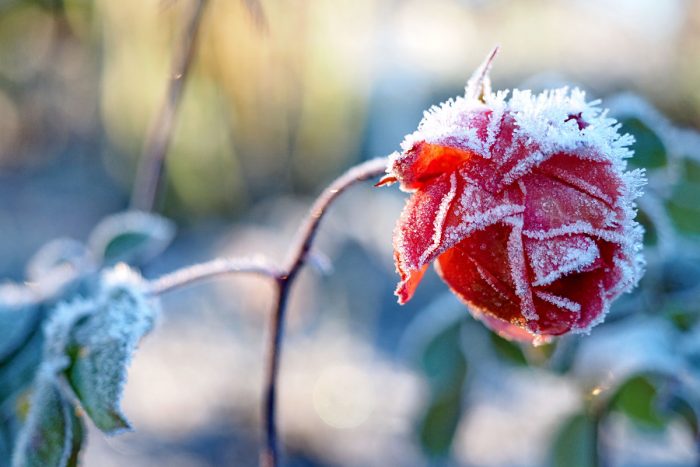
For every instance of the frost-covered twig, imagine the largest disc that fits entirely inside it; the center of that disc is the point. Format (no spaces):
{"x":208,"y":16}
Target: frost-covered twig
{"x":149,"y":173}
{"x":213,"y":268}
{"x":297,"y":256}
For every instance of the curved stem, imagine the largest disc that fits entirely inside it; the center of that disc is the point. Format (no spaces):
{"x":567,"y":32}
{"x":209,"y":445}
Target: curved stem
{"x":305,"y":236}
{"x":284,"y":279}
{"x":269,"y":455}
{"x":150,"y":169}
{"x":213,"y":268}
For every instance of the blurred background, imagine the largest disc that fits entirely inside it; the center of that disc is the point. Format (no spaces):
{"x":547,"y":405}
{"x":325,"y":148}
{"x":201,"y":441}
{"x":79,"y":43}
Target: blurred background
{"x":282,"y":97}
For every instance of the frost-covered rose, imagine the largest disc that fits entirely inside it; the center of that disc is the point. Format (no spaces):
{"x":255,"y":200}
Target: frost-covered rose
{"x":525,"y":206}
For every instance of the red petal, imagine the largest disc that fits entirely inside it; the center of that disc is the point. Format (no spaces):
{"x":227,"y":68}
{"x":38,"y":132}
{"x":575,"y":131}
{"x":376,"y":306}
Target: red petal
{"x":425,"y":162}
{"x":556,"y":257}
{"x":551,"y":204}
{"x":592,"y":289}
{"x":386,"y":180}
{"x":586,"y":289}
{"x":596,"y":179}
{"x":419,"y":229}
{"x":553,"y":319}
{"x":408,"y":284}
{"x":504,"y":328}
{"x":476,"y":208}
{"x":478,"y":271}
{"x":440,"y":215}
{"x":511,"y":150}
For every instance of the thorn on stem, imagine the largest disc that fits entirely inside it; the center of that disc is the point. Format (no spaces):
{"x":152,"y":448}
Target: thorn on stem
{"x":480,"y":84}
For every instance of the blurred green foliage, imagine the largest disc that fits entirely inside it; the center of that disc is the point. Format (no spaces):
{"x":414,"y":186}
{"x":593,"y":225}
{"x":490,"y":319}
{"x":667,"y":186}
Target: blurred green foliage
{"x":575,"y":445}
{"x":445,"y":366}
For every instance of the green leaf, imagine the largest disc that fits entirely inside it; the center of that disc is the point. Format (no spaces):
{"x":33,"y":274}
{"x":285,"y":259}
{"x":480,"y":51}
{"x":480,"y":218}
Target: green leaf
{"x":575,"y":443}
{"x":440,"y":421}
{"x":649,"y":150}
{"x":133,"y":237}
{"x":21,"y":354}
{"x":691,"y":171}
{"x":17,"y":373}
{"x":442,"y":360}
{"x":508,"y":350}
{"x":636,"y":398}
{"x":47,"y":437}
{"x":651,"y":235}
{"x":683,"y":315}
{"x":58,"y":253}
{"x":77,"y":439}
{"x":683,"y":208}
{"x":445,"y":367}
{"x":100,"y":350}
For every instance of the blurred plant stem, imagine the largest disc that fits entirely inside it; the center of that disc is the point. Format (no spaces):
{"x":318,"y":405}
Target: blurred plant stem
{"x":599,"y":412}
{"x":598,"y":456}
{"x":150,"y":170}
{"x":284,"y":279}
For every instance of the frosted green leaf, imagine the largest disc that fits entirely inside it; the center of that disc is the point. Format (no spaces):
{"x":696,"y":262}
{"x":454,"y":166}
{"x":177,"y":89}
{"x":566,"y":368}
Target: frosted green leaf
{"x":101,"y":347}
{"x":132,"y":237}
{"x":61,"y":253}
{"x":91,"y":341}
{"x":52,"y":434}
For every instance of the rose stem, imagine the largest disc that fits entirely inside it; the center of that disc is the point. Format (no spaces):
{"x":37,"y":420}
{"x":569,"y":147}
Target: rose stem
{"x":284,"y":279}
{"x":150,"y":169}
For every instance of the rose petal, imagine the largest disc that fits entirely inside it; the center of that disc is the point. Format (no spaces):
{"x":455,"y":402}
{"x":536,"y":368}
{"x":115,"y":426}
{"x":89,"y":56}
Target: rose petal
{"x":442,"y":214}
{"x":409,"y":281}
{"x":478,"y":271}
{"x":551,"y":204}
{"x":591,"y":289}
{"x":587,"y":290}
{"x":518,"y":269}
{"x":425,"y":162}
{"x":475,"y":208}
{"x":596,"y":179}
{"x":419,"y":230}
{"x":503,"y":328}
{"x":553,"y":319}
{"x":553,"y":258}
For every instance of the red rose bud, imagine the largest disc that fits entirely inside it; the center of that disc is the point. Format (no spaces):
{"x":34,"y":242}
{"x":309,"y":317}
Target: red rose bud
{"x":525,"y":206}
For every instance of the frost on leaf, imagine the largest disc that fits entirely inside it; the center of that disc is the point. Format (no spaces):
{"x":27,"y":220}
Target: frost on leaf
{"x":91,"y":341}
{"x":131,"y":237}
{"x":53,"y":432}
{"x":101,"y":347}
{"x":61,"y":255}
